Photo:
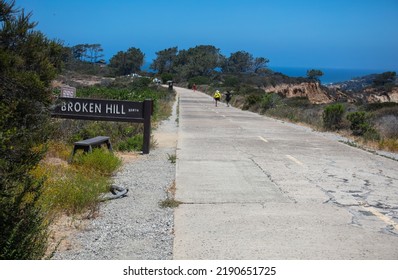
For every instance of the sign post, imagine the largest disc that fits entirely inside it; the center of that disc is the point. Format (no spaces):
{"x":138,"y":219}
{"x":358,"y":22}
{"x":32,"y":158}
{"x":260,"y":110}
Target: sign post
{"x":107,"y":110}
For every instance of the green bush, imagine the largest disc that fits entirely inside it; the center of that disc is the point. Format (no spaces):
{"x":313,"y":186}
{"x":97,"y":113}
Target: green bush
{"x":71,"y":190}
{"x":270,"y":100}
{"x":371,"y":134}
{"x":100,"y":161}
{"x":298,"y":101}
{"x":131,"y":144}
{"x":24,"y":225}
{"x":359,"y":122}
{"x":378,"y":106}
{"x":76,"y":189}
{"x":251,"y":100}
{"x":136,"y":91}
{"x":28,"y":63}
{"x":79,"y":193}
{"x":333,"y":116}
{"x":231,"y":81}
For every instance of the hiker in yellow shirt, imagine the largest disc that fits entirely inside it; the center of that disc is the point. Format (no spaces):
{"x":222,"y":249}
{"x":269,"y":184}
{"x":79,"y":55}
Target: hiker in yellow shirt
{"x":217,"y":96}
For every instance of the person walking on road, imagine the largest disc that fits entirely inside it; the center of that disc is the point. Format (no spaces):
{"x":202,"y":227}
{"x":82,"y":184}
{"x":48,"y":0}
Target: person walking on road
{"x":217,"y":96}
{"x":194,"y":87}
{"x":228,"y":97}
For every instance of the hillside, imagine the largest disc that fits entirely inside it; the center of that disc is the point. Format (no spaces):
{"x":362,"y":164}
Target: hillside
{"x":368,"y":89}
{"x":374,"y":88}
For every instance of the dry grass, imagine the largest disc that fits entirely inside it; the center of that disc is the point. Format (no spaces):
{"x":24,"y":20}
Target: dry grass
{"x":170,"y":201}
{"x":389,"y":144}
{"x":172,"y":189}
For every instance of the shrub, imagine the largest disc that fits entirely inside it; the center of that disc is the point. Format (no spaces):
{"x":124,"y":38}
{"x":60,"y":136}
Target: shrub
{"x":371,"y":134}
{"x":99,"y":161}
{"x":76,"y":189}
{"x":71,"y":190}
{"x":24,"y":227}
{"x":57,"y":149}
{"x":299,"y":101}
{"x":251,"y":100}
{"x":333,"y":115}
{"x":284,"y":113}
{"x":389,"y":144}
{"x":28,"y":63}
{"x":231,"y":81}
{"x":131,"y":144}
{"x":378,"y":106}
{"x":270,"y":100}
{"x":388,"y":126}
{"x":359,"y":123}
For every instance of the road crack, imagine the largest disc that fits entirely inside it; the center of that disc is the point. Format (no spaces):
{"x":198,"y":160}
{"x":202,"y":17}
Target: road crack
{"x":269,"y":176}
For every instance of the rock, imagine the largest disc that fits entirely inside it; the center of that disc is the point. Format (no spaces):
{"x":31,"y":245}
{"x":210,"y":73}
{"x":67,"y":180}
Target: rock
{"x":313,"y":91}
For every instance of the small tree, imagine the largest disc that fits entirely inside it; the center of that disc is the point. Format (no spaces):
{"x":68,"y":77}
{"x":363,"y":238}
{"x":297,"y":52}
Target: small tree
{"x":238,"y":62}
{"x":260,"y":64}
{"x":127,"y":62}
{"x":314,"y":74}
{"x":359,"y":124}
{"x":333,"y":115}
{"x":244,"y":62}
{"x":165,"y":60}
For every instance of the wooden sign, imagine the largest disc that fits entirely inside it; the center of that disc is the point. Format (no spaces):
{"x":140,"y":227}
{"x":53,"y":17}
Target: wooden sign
{"x":107,"y":110}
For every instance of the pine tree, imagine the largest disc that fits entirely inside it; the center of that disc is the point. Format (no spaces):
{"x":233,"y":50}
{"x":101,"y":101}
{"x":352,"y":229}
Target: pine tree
{"x":28,"y":63}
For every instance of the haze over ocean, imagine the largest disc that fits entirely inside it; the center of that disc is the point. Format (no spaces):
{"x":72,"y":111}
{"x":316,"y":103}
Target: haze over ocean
{"x":331,"y":75}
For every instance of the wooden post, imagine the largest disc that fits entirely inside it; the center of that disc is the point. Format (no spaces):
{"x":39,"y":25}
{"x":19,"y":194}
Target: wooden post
{"x":147,"y":126}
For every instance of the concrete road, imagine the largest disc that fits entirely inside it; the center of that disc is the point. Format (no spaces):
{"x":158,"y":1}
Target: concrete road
{"x":257,"y":188}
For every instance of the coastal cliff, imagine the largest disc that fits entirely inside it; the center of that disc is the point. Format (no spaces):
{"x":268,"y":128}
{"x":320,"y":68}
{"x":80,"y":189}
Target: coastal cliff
{"x":318,"y":94}
{"x":368,"y":89}
{"x":315,"y":93}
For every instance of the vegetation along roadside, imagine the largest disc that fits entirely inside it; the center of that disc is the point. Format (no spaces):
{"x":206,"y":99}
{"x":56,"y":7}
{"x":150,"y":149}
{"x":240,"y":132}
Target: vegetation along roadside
{"x":38,"y":185}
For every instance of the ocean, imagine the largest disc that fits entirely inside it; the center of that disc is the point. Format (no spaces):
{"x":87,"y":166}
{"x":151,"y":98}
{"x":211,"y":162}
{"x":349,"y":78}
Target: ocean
{"x":330,"y":75}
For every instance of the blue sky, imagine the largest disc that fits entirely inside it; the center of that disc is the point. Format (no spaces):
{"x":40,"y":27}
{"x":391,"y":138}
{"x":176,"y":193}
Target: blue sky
{"x":352,"y":34}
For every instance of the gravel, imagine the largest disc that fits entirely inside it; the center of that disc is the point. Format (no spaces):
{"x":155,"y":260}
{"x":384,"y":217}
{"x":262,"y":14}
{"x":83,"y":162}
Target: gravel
{"x":134,"y":227}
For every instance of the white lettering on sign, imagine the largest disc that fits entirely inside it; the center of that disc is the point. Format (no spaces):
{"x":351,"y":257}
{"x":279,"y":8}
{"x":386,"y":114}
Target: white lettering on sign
{"x":92,"y":107}
{"x":85,"y":107}
{"x":114,"y":109}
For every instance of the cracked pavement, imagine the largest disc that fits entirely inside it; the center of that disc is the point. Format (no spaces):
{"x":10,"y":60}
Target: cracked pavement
{"x":257,"y":188}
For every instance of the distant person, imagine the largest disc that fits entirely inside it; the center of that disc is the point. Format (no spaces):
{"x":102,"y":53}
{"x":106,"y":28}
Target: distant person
{"x":170,"y":84}
{"x":228,"y":97}
{"x":194,"y":87}
{"x":217,"y":96}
